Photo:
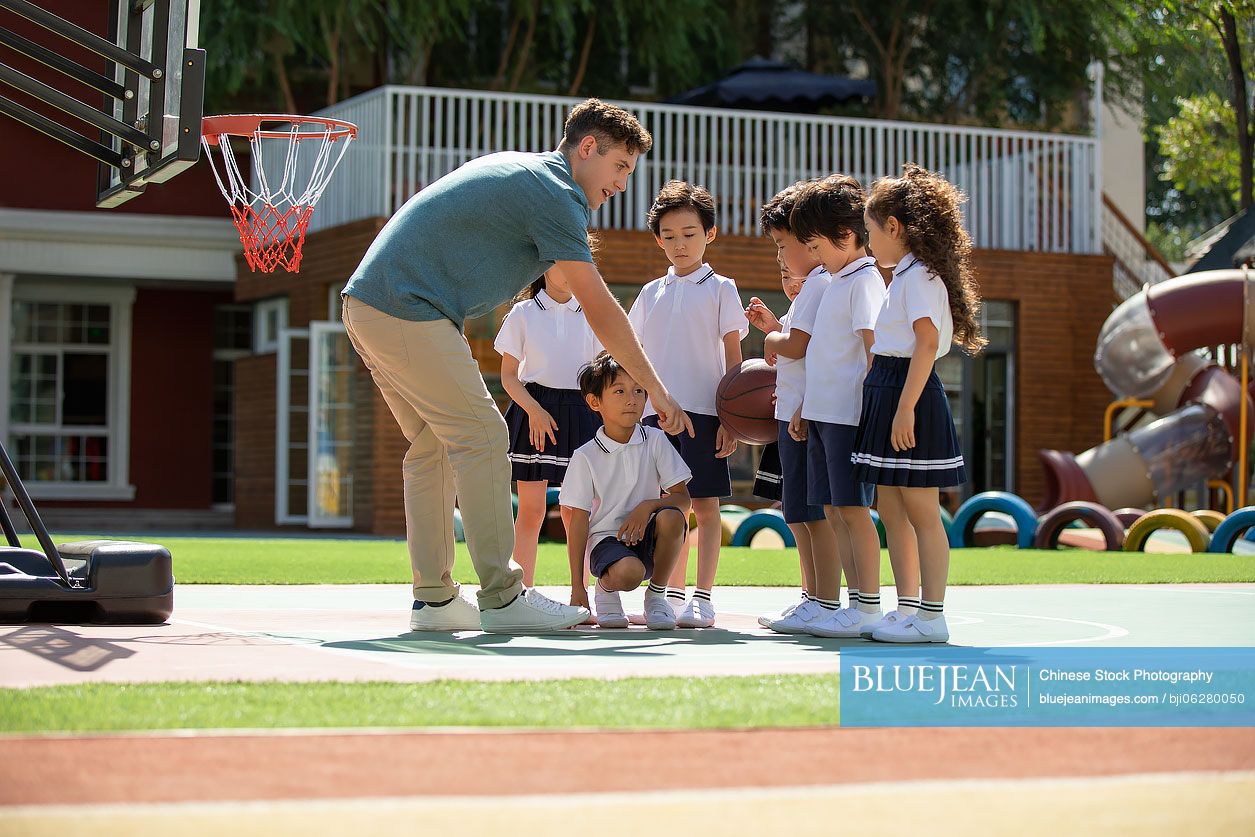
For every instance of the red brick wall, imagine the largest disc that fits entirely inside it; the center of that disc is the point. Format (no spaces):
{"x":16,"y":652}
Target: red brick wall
{"x":1061,"y":302}
{"x":255,"y":442}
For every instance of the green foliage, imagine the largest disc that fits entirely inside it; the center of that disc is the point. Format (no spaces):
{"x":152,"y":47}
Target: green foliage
{"x":1200,"y":147}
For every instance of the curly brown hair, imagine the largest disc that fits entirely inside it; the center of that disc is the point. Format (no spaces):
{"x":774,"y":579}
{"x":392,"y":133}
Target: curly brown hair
{"x":831,"y":207}
{"x":677,"y":194}
{"x":608,"y":124}
{"x":927,"y":206}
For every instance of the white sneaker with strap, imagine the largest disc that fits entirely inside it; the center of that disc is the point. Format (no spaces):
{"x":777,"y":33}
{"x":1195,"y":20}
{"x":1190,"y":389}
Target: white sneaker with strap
{"x":914,"y":629}
{"x":698,"y":613}
{"x":846,"y":623}
{"x":659,"y":615}
{"x":767,"y":618}
{"x":609,"y":609}
{"x":891,"y":617}
{"x":799,"y":621}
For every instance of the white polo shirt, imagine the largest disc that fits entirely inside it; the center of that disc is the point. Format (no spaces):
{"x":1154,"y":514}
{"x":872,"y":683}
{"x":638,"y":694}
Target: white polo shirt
{"x":609,"y":479}
{"x":791,"y":373}
{"x":551,"y":340}
{"x":681,"y":321}
{"x":836,"y":359}
{"x":915,"y":292}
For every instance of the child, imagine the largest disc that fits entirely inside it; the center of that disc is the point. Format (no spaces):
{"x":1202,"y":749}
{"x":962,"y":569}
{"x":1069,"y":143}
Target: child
{"x":790,"y":337}
{"x":906,"y":442}
{"x":543,"y":342}
{"x":613,"y":495}
{"x":828,"y":218}
{"x":691,"y":325}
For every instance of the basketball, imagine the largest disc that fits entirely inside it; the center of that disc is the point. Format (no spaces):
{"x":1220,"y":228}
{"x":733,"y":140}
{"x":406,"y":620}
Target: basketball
{"x":744,"y":402}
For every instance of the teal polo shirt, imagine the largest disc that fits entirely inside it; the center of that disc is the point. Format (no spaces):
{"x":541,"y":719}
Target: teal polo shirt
{"x":476,"y":237}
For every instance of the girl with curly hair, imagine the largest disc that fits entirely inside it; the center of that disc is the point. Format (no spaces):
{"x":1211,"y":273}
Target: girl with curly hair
{"x":906,"y":443}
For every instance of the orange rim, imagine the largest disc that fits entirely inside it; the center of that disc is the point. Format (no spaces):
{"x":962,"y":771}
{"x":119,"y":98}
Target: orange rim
{"x":249,"y":125}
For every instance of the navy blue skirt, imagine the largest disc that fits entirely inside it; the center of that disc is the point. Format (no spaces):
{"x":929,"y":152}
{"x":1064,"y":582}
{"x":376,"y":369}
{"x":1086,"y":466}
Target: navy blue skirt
{"x":576,"y":426}
{"x":936,"y":461}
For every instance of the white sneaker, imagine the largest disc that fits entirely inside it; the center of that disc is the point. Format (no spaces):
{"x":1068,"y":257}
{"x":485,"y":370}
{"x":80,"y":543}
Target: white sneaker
{"x":845,"y":623}
{"x":767,"y":618}
{"x":698,"y":613}
{"x":892,"y":617}
{"x":531,"y":613}
{"x":799,"y":620}
{"x":609,"y":609}
{"x":659,"y":615}
{"x":641,"y":619}
{"x":457,"y":615}
{"x":914,"y":629}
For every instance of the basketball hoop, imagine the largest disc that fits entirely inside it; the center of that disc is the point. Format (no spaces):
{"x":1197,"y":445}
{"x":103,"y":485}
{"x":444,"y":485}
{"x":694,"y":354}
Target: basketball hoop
{"x":272,"y":216}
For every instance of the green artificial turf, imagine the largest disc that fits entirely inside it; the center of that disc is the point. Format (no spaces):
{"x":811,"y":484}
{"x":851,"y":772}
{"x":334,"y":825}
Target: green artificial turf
{"x":633,"y":703}
{"x":384,"y":561}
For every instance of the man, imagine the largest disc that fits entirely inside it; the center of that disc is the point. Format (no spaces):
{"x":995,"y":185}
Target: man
{"x":459,"y":248}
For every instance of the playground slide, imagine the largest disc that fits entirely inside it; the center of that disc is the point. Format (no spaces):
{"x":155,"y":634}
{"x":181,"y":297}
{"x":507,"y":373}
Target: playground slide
{"x":1146,"y":350}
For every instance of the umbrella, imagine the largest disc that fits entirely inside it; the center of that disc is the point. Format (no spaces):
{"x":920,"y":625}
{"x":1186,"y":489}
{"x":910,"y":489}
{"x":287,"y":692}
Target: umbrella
{"x":763,"y":84}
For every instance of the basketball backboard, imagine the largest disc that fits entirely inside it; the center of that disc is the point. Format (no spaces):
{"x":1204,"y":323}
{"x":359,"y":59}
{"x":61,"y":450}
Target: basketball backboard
{"x":168,"y":109}
{"x":153,"y":85}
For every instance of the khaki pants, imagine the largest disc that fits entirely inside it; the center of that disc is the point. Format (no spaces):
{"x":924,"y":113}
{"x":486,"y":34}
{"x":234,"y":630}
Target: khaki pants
{"x":458,"y":439}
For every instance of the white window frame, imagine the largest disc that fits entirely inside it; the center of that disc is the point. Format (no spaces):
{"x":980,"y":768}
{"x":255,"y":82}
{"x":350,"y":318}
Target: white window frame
{"x":283,"y":406}
{"x":318,"y":330}
{"x":121,"y":300}
{"x":263,"y":343}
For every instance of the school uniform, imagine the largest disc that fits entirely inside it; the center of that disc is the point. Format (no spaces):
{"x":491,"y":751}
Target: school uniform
{"x":915,"y":292}
{"x":609,"y":479}
{"x":836,"y":363}
{"x":681,"y":321}
{"x":790,"y":391}
{"x":552,"y":341}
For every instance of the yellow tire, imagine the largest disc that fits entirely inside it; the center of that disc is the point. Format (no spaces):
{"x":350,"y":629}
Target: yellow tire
{"x":728,"y":523}
{"x":1210,"y":518}
{"x":1181,"y":521}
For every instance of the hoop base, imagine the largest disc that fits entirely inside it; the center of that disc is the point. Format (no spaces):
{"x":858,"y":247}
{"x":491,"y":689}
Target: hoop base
{"x":272,"y":237}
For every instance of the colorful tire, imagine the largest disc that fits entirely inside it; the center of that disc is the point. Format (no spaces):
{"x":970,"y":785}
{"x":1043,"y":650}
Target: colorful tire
{"x":514,"y":501}
{"x":1100,"y":517}
{"x":947,"y":519}
{"x":880,"y":528}
{"x":1210,"y":518}
{"x":1128,"y":516}
{"x":734,"y":509}
{"x":1001,"y":501}
{"x":1181,"y":521}
{"x":459,"y":534}
{"x":551,"y":495}
{"x":765,"y":519}
{"x":1236,"y":525}
{"x":729,"y":522}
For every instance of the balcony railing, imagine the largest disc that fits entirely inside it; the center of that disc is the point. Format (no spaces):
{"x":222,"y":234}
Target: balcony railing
{"x":1027,"y":190}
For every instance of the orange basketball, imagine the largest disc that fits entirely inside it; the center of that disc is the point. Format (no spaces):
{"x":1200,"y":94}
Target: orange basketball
{"x":744,"y":402}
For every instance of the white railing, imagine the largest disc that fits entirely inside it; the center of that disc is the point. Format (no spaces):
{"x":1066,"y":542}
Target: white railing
{"x":1027,"y":190}
{"x":1137,"y":262}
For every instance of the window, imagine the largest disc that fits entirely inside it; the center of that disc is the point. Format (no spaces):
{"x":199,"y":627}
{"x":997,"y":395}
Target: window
{"x":981,"y":390}
{"x":233,"y":335}
{"x":269,"y":317}
{"x":69,"y":386}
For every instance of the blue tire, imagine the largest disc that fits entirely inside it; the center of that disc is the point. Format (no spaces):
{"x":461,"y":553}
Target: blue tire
{"x":1239,"y":524}
{"x":1000,"y":501}
{"x":759,"y":520}
{"x":459,"y":534}
{"x":551,"y":495}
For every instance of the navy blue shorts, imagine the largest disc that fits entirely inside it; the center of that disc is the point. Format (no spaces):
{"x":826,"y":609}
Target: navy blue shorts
{"x":794,"y":485}
{"x":608,"y":550}
{"x":711,"y":477}
{"x":830,"y":471}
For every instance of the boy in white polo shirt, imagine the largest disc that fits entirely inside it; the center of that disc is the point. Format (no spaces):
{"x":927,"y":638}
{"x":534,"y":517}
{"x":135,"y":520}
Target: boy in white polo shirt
{"x":691,"y":324}
{"x":828,"y":218}
{"x":785,"y":348}
{"x":625,"y":493}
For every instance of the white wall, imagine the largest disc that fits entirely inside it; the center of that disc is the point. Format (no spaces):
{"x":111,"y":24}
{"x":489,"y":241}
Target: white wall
{"x":1123,"y":162}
